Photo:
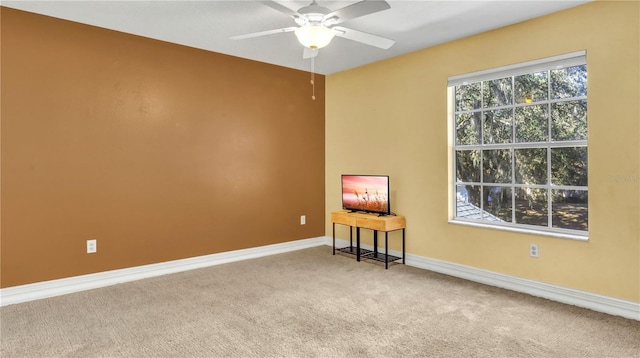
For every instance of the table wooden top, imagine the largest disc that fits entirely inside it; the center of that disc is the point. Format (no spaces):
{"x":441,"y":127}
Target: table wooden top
{"x":369,"y":221}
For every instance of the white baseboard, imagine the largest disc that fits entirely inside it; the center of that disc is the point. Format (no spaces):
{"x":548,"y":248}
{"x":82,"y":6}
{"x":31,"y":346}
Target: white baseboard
{"x":39,"y":290}
{"x":593,"y":301}
{"x":596,"y":302}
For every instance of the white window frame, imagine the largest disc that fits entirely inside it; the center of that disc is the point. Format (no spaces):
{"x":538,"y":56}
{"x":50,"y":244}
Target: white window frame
{"x":556,"y":62}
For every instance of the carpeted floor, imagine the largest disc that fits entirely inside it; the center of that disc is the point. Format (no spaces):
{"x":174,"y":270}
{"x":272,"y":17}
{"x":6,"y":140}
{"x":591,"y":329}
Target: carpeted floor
{"x":309,"y":303}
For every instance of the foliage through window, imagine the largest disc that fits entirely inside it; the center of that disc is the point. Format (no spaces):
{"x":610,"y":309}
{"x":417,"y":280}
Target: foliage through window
{"x":520,"y":146}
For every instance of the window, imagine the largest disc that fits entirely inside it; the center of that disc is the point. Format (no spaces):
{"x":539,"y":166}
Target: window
{"x":520,"y":146}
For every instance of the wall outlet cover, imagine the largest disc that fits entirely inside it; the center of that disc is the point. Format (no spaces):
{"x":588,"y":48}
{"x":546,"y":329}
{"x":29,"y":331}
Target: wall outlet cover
{"x":92,"y":246}
{"x":533,"y":250}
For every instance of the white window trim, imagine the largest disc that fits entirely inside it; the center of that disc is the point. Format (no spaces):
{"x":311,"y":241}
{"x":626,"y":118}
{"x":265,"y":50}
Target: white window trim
{"x":522,"y":230}
{"x":560,"y":61}
{"x":556,"y":62}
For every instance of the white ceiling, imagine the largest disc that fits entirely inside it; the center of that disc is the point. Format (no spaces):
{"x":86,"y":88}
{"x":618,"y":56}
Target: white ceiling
{"x":208,"y":25}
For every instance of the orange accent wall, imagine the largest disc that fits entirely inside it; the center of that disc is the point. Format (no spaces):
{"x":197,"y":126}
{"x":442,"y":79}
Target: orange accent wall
{"x":158,"y":151}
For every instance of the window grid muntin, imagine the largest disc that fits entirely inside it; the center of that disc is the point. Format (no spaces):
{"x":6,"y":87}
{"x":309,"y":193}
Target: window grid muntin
{"x":549,"y":144}
{"x":516,"y":105}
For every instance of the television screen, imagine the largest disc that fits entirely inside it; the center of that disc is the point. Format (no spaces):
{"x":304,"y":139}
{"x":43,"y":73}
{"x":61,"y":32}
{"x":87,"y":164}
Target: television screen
{"x":368,"y":193}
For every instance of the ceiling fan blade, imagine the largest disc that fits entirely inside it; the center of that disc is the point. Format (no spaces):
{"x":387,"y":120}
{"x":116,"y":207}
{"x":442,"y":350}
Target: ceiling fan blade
{"x":309,"y":53}
{"x":356,"y":10}
{"x":263,"y":33}
{"x":366,"y":38}
{"x":283,"y":9}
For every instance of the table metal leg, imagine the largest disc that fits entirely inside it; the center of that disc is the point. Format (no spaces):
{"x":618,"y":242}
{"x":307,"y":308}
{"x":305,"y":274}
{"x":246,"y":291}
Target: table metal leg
{"x":403,"y":246}
{"x":334,"y":238}
{"x":358,"y":244}
{"x":375,"y":243}
{"x":386,"y":250}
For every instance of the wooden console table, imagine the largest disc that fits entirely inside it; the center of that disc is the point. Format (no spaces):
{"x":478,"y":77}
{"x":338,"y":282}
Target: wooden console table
{"x":371,"y":222}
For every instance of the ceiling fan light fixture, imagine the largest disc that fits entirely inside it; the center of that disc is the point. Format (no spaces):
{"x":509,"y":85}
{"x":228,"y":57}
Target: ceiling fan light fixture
{"x":314,"y":36}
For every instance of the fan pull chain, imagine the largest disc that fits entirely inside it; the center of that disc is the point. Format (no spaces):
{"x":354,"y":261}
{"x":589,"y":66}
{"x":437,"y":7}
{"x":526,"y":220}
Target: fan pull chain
{"x":313,"y":84}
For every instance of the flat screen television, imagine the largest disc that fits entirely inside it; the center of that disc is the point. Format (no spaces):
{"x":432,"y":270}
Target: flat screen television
{"x":366,"y":193}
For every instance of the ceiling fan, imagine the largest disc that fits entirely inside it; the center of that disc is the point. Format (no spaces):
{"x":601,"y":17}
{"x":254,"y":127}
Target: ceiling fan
{"x":316,"y":25}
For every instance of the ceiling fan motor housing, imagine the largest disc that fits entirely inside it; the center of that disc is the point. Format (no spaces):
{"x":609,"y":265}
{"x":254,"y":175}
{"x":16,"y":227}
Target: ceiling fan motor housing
{"x":312,"y":14}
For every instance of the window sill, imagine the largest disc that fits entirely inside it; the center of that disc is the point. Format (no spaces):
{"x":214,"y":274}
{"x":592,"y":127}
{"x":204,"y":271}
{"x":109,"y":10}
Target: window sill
{"x":522,"y":231}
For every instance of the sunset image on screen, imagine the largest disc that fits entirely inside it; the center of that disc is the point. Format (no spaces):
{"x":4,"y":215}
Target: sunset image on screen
{"x":365,"y":193}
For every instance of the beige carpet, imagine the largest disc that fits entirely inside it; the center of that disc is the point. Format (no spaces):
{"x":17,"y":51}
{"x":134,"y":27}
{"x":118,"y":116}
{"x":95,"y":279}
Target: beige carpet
{"x":309,"y":304}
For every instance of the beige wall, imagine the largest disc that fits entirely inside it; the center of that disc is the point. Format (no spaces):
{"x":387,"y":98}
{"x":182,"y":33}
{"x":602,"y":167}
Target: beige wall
{"x":391,"y":118}
{"x":158,"y":151}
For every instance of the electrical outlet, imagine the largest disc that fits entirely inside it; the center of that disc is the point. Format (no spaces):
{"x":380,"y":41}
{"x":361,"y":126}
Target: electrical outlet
{"x":533,"y":250}
{"x":303,"y":219}
{"x":92,"y":246}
